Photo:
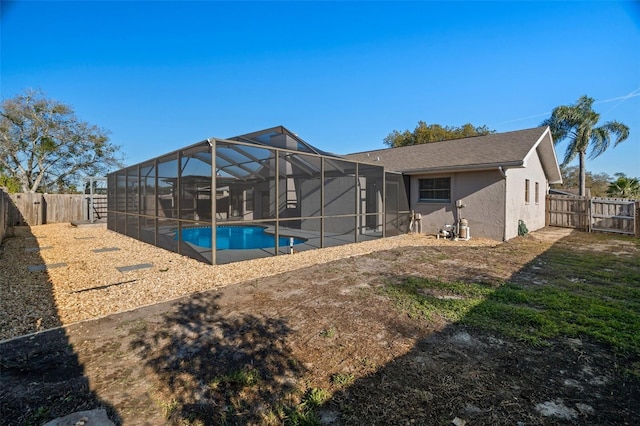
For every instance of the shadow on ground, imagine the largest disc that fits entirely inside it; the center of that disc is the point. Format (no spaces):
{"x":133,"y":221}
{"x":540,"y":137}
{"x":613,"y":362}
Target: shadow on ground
{"x":41,"y":364}
{"x":214,"y":369}
{"x":466,"y":375}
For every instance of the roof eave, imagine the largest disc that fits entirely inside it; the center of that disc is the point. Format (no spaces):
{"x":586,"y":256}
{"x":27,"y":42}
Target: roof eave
{"x":464,"y":168}
{"x":550,"y":160}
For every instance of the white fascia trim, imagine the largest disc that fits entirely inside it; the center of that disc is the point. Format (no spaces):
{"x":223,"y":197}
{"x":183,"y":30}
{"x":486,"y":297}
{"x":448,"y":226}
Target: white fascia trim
{"x":535,"y":146}
{"x":545,"y":134}
{"x":468,"y":168}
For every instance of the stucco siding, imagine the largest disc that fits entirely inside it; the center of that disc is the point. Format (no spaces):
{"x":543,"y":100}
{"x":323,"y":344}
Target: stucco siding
{"x":482,"y":193}
{"x":532,"y":213}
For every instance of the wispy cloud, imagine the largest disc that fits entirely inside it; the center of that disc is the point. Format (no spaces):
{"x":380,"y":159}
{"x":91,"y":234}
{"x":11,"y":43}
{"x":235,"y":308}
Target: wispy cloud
{"x":543,"y":114}
{"x":621,"y":99}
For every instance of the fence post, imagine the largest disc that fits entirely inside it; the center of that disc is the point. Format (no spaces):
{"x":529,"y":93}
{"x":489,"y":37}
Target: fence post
{"x":637,"y":219}
{"x":4,"y":214}
{"x":547,"y":213}
{"x":590,"y":213}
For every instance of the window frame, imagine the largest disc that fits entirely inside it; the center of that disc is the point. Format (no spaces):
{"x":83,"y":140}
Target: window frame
{"x":434,"y":190}
{"x":527,"y":195}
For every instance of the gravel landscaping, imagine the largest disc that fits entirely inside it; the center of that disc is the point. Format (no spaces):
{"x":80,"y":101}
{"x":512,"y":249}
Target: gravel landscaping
{"x":58,"y":274}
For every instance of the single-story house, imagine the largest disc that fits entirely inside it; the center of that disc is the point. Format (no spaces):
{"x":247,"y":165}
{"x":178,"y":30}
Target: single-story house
{"x":260,"y":194}
{"x":500,"y":179}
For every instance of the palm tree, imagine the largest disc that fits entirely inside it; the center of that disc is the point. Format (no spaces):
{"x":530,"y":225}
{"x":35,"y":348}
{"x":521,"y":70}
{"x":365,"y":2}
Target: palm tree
{"x":578,"y":124}
{"x":624,"y":187}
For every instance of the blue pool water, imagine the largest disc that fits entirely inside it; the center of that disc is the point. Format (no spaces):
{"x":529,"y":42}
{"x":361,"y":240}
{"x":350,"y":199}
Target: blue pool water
{"x":235,"y":237}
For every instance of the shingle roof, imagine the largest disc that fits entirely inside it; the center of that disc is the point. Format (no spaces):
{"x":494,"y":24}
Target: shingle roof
{"x":509,"y":149}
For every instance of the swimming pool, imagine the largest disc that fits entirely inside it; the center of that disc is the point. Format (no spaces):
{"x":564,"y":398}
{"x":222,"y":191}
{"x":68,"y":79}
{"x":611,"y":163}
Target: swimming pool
{"x":235,"y":237}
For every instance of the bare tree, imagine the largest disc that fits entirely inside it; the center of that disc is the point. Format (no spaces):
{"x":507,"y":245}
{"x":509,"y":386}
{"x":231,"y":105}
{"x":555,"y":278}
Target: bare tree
{"x":42,"y":142}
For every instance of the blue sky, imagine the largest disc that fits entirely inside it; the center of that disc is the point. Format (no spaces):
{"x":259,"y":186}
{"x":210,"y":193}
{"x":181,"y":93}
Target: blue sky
{"x":342,"y":75}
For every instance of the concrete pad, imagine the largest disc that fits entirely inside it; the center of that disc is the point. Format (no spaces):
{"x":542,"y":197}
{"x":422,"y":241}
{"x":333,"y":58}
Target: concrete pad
{"x":134,"y":267}
{"x":36,"y":249}
{"x":96,"y":417}
{"x":38,"y":268}
{"x":87,"y":224}
{"x":106,"y":249}
{"x":552,"y":234}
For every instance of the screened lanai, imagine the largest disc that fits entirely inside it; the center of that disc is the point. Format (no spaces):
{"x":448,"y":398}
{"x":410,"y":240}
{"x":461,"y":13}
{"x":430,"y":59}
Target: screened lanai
{"x":261,"y":194}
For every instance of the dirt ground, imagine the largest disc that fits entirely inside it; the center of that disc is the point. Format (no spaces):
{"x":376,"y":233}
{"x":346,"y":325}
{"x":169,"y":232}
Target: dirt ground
{"x":87,"y":283}
{"x":300,"y":330}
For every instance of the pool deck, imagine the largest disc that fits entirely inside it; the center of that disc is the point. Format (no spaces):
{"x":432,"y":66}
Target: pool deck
{"x":312,"y":242}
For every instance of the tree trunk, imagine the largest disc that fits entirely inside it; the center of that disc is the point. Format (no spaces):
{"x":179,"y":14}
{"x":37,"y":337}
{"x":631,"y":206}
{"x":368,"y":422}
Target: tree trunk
{"x":582,"y":175}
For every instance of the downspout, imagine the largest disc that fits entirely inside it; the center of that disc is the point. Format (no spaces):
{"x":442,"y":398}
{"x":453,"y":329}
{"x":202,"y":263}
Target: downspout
{"x":503,"y":173}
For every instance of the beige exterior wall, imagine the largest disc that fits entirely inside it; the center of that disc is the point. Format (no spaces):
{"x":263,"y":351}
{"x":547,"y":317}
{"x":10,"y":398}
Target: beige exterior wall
{"x":494,"y":205}
{"x":482,"y":192}
{"x":533,"y":211}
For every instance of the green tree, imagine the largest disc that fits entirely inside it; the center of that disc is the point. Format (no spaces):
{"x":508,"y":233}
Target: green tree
{"x":578,"y":124}
{"x":425,"y":133}
{"x":624,"y":187}
{"x":598,"y":183}
{"x":10,"y":184}
{"x":42,"y":142}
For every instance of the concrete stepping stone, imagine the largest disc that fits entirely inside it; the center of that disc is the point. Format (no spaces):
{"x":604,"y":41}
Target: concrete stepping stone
{"x":96,"y":417}
{"x":134,"y":267}
{"x":38,"y":268}
{"x":105,"y":249}
{"x":36,"y":249}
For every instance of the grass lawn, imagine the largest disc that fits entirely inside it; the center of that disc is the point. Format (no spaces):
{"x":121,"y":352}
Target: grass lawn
{"x":565,"y":292}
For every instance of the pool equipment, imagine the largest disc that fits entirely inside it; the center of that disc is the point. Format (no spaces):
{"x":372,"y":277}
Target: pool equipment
{"x":459,"y":230}
{"x":415,"y":226}
{"x":463,"y":233}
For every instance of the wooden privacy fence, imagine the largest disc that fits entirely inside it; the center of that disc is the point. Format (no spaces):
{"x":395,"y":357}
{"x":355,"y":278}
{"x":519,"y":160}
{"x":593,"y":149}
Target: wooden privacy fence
{"x":37,"y":209}
{"x":617,"y":215}
{"x":567,"y":211}
{"x":5,"y":202}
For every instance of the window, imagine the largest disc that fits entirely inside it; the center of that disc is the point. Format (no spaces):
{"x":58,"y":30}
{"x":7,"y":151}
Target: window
{"x":526,"y":191}
{"x":435,"y":190}
{"x":537,"y":194}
